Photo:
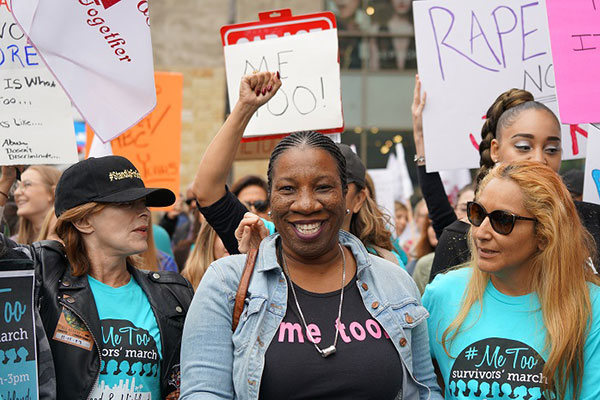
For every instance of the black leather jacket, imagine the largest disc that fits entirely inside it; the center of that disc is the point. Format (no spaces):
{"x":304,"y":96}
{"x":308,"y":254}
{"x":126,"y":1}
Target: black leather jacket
{"x":77,"y":368}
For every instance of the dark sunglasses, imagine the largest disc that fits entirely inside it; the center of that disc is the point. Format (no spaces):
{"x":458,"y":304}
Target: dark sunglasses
{"x":502,"y":222}
{"x":259,"y":205}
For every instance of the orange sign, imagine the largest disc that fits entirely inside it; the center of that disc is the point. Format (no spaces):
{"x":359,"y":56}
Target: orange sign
{"x":154,"y":144}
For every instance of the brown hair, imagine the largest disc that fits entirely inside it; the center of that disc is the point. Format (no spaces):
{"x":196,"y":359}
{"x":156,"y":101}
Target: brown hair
{"x":559,"y":273}
{"x":50,"y":177}
{"x":424,"y":246}
{"x":369,"y":223}
{"x":73,"y":239}
{"x":503,"y":112}
{"x":201,"y":256}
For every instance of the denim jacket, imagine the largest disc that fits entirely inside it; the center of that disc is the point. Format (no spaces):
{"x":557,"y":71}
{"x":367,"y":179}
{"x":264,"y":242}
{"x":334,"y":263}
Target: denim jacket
{"x":217,"y":363}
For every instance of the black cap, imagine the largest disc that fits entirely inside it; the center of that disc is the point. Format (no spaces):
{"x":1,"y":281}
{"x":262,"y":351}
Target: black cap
{"x":355,"y":169}
{"x":573,"y":180}
{"x":110,"y":179}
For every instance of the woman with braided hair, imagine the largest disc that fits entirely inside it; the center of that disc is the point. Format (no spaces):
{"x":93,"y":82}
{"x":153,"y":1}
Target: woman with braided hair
{"x":516,"y":128}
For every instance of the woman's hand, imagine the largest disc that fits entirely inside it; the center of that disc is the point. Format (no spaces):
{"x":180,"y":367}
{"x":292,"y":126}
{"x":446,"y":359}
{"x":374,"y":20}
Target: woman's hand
{"x":416,"y":108}
{"x":8,"y":178}
{"x":258,"y":88}
{"x":250,"y":232}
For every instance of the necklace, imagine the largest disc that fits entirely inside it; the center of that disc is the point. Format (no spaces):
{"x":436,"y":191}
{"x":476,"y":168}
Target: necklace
{"x":326,"y":352}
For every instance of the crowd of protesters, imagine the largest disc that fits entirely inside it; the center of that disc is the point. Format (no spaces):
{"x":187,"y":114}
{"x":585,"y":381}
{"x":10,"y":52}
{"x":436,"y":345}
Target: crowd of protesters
{"x":298,"y":286}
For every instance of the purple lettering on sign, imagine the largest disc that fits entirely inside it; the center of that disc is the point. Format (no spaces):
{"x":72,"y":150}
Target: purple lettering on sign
{"x":481,"y":33}
{"x":503,"y":32}
{"x":525,"y":34}
{"x":445,"y":44}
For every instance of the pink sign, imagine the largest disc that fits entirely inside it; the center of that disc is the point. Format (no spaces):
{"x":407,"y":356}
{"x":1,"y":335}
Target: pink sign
{"x":575,"y":38}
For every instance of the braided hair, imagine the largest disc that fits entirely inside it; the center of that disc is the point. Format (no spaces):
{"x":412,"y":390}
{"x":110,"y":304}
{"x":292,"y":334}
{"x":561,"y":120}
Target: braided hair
{"x":308,"y":139}
{"x":502,"y":113}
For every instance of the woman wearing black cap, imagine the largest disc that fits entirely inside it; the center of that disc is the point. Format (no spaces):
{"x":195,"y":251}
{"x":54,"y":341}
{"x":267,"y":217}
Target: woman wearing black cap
{"x":114,"y":330}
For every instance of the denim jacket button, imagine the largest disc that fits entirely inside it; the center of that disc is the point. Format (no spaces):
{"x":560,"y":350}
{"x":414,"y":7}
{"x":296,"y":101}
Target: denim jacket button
{"x":403,"y":342}
{"x":365,"y":286}
{"x":408,"y":318}
{"x":375,"y":304}
{"x":252,"y":382}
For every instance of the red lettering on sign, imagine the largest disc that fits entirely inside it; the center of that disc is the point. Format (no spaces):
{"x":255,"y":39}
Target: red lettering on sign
{"x":574,"y":130}
{"x":5,"y":4}
{"x":109,"y":3}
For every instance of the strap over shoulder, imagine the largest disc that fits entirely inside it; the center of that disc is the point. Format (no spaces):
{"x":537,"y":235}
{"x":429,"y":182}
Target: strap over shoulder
{"x":240,"y":296}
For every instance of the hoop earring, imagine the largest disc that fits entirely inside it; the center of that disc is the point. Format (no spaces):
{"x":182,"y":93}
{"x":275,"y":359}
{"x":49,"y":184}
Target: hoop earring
{"x":269,"y":213}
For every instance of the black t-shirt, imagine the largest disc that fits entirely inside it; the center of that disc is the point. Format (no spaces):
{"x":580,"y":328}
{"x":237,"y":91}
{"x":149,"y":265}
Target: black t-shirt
{"x":365,"y":366}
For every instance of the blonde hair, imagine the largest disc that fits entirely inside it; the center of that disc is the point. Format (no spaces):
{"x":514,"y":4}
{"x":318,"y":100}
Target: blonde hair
{"x":369,"y":223}
{"x":50,"y":177}
{"x":73,"y":239}
{"x":45,"y":230}
{"x":559,"y":272}
{"x":201,"y":256}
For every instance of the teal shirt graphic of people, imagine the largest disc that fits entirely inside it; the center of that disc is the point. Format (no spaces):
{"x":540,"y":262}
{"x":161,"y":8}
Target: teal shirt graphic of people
{"x":131,"y":348}
{"x":500,"y":351}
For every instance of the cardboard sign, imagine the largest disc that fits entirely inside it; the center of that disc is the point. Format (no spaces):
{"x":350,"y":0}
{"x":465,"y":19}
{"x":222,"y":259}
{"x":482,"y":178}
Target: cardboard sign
{"x":591,"y":182}
{"x":575,"y":37}
{"x":101,"y":52}
{"x":304,"y":49}
{"x":154,"y":144}
{"x":471,"y":51}
{"x":36,"y":122}
{"x":18,"y":354}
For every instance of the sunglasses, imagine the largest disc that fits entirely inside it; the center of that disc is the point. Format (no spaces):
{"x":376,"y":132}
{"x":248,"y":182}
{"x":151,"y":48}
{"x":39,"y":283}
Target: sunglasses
{"x":259,"y":205}
{"x":502,"y":222}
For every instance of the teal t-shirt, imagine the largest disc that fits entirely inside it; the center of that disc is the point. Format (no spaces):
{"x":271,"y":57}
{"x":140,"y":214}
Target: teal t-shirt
{"x":131,"y":348}
{"x":500,"y":352}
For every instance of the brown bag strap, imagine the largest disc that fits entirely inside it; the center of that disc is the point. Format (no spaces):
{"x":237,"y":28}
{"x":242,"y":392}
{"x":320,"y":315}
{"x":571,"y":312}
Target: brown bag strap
{"x":242,"y":290}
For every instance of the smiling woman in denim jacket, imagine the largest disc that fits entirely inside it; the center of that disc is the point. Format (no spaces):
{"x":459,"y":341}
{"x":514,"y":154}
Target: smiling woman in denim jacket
{"x":323,"y":318}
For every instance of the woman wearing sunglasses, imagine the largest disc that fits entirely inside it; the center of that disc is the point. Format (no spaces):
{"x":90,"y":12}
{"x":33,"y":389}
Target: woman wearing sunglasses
{"x":522,"y":320}
{"x":516,"y":128}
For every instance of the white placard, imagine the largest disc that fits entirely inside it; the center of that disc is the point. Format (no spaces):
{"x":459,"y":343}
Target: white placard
{"x":36,"y":125}
{"x":591,"y":181}
{"x":385,"y":188}
{"x":36,"y":122}
{"x":101,"y":52}
{"x":469,"y":52}
{"x":310,"y":97}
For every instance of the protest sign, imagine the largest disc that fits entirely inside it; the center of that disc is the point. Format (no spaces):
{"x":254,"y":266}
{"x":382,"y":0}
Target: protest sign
{"x":18,"y":366}
{"x":575,"y":37}
{"x":36,"y":125}
{"x":591,"y":181}
{"x":154,"y":144}
{"x":304,"y":49}
{"x":385,"y":183}
{"x":101,"y":53}
{"x":471,"y":51}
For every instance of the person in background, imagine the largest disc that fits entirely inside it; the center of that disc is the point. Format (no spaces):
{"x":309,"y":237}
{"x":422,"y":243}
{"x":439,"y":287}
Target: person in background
{"x":522,"y":318}
{"x":207,"y":248}
{"x":251,"y":190}
{"x":154,"y":259}
{"x":311,"y":280}
{"x":464,"y":195}
{"x":573,"y":179}
{"x":48,"y":230}
{"x":400,"y":218}
{"x":34,"y":196}
{"x":424,"y":253}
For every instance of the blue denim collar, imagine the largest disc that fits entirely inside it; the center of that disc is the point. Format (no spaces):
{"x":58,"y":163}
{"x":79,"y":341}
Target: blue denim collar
{"x":267,"y":254}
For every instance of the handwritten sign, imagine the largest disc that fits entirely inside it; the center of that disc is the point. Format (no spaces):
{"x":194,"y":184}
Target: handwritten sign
{"x":591,"y":182}
{"x":154,"y":144}
{"x":36,"y":125}
{"x":575,"y":37}
{"x":310,"y":97}
{"x":471,"y":51}
{"x":18,"y":366}
{"x":36,"y":122}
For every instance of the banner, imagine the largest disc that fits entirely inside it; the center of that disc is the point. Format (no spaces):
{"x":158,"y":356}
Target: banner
{"x":154,"y":144}
{"x":18,"y":365}
{"x":101,"y":53}
{"x":471,"y":51}
{"x":575,"y":37}
{"x":36,"y":122}
{"x":304,"y":50}
{"x":591,"y":181}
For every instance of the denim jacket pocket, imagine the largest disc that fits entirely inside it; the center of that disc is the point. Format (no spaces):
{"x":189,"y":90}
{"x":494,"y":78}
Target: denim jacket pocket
{"x":244,"y":332}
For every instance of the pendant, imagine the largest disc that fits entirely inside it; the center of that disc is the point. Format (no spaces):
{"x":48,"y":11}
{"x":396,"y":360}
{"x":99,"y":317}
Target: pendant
{"x":328,"y":351}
